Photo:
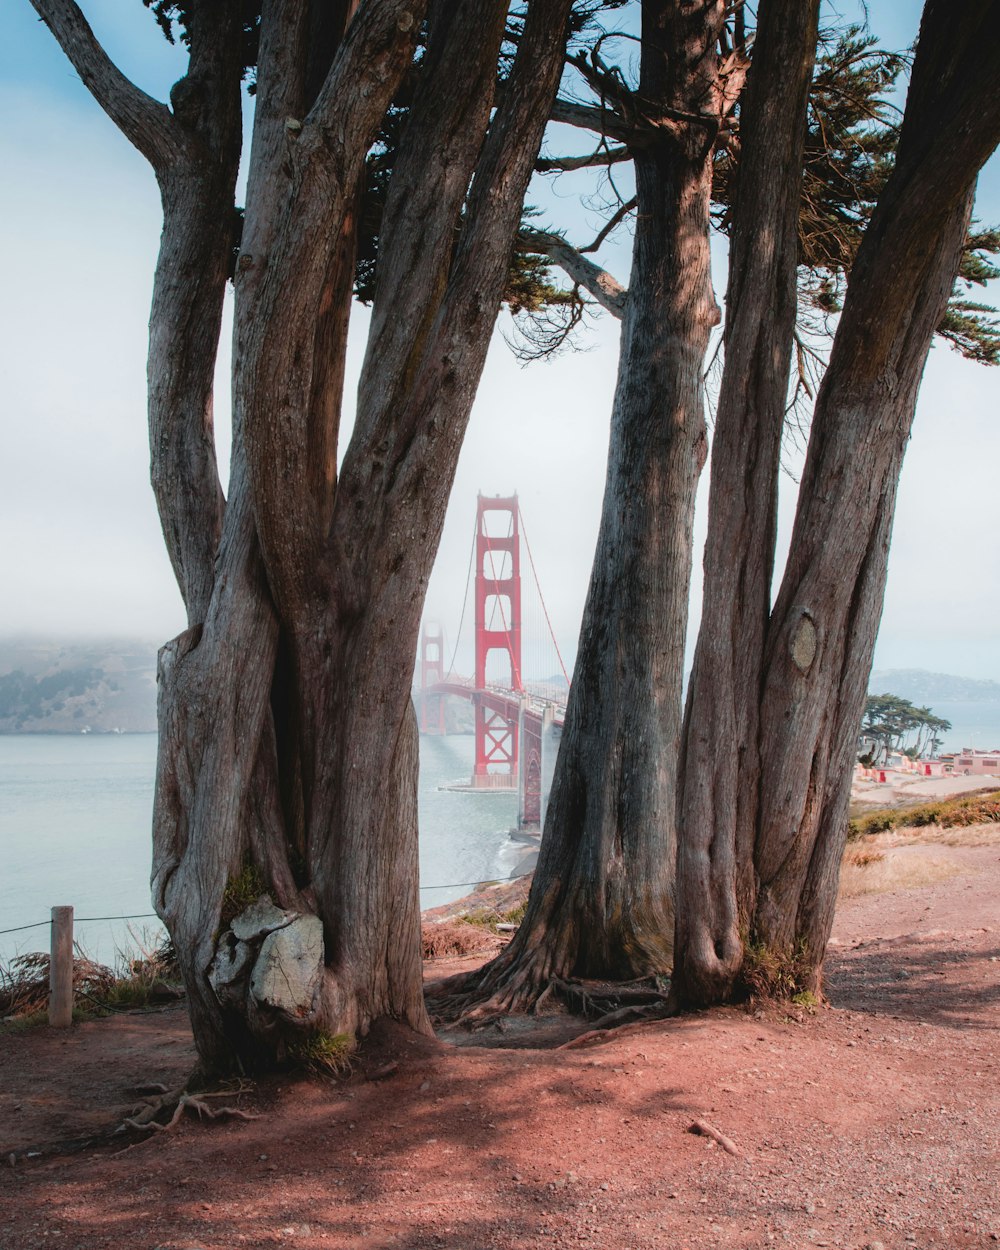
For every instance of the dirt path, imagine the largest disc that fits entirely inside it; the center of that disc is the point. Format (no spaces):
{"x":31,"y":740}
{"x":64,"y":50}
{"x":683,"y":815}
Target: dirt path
{"x":874,"y":1122}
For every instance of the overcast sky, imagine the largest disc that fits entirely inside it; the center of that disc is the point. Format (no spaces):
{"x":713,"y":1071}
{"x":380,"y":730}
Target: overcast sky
{"x":80,"y":548}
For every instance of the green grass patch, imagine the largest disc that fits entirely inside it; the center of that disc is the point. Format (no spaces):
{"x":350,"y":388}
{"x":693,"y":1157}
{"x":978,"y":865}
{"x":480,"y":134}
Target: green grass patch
{"x":325,"y":1054}
{"x":970,"y":809}
{"x":490,"y":917}
{"x":241,"y":891}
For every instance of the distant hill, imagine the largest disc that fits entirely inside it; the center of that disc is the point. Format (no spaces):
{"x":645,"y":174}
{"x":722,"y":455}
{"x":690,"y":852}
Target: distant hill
{"x":923,"y":688}
{"x":59,"y":687}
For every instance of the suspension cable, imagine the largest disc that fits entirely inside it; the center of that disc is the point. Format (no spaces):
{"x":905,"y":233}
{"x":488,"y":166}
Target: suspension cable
{"x":465,"y":603}
{"x":541,"y":597}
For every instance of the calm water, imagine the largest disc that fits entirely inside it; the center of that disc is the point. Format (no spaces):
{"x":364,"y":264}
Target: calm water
{"x":973,"y":725}
{"x":75,"y":815}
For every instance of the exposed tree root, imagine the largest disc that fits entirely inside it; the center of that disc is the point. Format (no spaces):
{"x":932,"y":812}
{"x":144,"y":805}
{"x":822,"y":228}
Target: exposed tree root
{"x":509,"y":985}
{"x":611,"y":1030}
{"x":704,"y":1129}
{"x":170,"y":1103}
{"x":147,"y":1116}
{"x":505,"y":986}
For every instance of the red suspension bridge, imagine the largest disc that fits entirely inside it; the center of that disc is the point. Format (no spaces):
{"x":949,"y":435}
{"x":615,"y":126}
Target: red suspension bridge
{"x":517,"y":724}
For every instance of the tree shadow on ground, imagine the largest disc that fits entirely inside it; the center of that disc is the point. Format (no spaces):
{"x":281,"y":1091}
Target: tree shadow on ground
{"x":946,"y":984}
{"x":437,"y":1153}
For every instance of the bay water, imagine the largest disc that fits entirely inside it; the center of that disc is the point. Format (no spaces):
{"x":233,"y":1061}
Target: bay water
{"x":75,"y":815}
{"x":76,"y":809}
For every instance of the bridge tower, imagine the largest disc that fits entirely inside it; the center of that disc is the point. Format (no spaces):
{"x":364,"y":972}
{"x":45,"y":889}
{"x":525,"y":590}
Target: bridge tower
{"x":431,"y":672}
{"x":498,"y":629}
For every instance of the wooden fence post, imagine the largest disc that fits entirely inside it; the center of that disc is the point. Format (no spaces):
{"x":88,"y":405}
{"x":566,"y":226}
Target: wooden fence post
{"x":61,"y":968}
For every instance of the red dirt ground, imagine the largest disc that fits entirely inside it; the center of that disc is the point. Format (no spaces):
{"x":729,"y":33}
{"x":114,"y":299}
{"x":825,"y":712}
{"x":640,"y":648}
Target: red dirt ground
{"x":874,"y":1122}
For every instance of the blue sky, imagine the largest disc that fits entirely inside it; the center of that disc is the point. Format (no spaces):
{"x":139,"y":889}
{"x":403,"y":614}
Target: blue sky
{"x":80,"y":549}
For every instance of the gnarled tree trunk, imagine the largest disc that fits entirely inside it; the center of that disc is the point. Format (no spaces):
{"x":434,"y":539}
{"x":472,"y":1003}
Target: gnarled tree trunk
{"x":601,"y":903}
{"x":821,"y":634}
{"x":285,"y":840}
{"x":719,"y":764}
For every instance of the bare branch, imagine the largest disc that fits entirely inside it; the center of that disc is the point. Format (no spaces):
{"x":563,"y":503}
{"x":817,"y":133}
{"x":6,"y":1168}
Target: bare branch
{"x":603,"y":286}
{"x":565,"y":164}
{"x":611,"y":224}
{"x":592,"y":117}
{"x":603,"y":79}
{"x":145,"y":122}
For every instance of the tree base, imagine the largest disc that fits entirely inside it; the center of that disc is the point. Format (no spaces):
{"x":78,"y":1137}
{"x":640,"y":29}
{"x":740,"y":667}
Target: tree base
{"x":525,"y":983}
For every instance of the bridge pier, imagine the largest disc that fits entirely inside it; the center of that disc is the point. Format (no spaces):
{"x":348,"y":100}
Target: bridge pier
{"x":539,"y":736}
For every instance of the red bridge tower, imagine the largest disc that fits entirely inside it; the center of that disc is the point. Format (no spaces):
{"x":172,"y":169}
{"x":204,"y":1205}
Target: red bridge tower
{"x":431,"y":672}
{"x":498,"y":629}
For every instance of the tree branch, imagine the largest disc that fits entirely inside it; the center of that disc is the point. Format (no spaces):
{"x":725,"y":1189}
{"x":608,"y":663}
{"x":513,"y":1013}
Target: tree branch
{"x":565,"y":164}
{"x":145,"y":122}
{"x":602,"y":80}
{"x":591,"y":117}
{"x":615,"y":220}
{"x":603,"y":286}
{"x":648,"y":119}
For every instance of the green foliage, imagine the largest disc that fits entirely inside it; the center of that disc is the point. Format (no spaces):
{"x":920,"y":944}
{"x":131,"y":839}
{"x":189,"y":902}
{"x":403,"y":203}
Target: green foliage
{"x":24,"y":696}
{"x":851,"y":137}
{"x":325,"y":1054}
{"x":971,"y":329}
{"x":891,"y":721}
{"x":174,"y":18}
{"x":242,"y":890}
{"x":971,"y":809}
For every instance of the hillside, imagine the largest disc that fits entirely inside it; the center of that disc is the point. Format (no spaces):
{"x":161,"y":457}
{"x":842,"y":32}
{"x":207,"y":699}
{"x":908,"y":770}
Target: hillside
{"x":56,"y":687}
{"x":924,"y":688}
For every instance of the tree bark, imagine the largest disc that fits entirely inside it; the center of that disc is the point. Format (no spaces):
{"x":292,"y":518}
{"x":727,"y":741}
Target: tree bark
{"x":601,"y":900}
{"x":823,"y":626}
{"x":288,"y":753}
{"x":346,"y":562}
{"x":719,"y":765}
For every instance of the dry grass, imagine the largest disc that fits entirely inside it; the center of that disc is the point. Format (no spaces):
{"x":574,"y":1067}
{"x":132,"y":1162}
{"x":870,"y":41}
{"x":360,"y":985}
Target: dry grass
{"x":901,"y":867}
{"x":979,"y":808}
{"x":144,"y":975}
{"x":24,"y":982}
{"x":451,"y":938}
{"x":936,"y":835}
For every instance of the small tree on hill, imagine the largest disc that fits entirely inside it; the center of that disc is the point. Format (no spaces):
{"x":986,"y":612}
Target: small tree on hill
{"x":892,"y":721}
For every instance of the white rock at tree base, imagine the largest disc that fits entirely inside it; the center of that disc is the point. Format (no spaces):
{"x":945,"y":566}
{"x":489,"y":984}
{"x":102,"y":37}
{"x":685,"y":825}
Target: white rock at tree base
{"x":286,"y":976}
{"x":230,"y":963}
{"x":259,"y":919}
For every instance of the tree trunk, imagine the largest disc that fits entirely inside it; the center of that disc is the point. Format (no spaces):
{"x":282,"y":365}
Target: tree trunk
{"x":285,"y":831}
{"x":720,"y":762}
{"x":822,"y":630}
{"x":601,"y":898}
{"x":308,"y":782}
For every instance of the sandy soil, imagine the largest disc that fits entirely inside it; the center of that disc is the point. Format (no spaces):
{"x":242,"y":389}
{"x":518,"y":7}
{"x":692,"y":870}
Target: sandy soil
{"x":911,"y":788}
{"x":874,"y":1122}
